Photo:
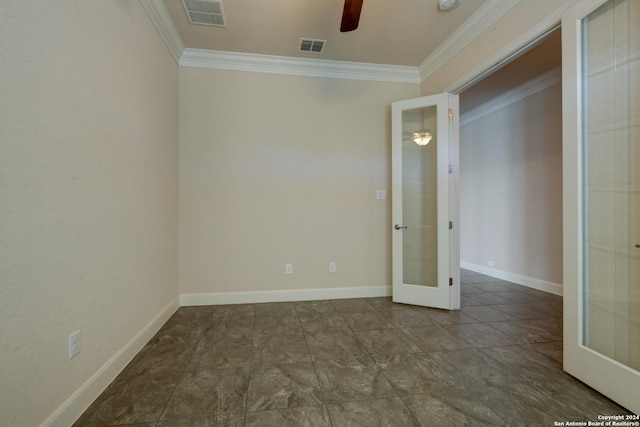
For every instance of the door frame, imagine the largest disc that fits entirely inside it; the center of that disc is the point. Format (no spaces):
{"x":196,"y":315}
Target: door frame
{"x":560,"y":17}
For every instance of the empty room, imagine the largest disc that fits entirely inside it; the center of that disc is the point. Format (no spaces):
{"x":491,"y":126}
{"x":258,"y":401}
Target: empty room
{"x":228,"y":213}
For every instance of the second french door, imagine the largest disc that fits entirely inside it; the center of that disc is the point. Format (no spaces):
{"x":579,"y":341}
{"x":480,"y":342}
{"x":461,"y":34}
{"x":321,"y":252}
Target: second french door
{"x":601,"y":162}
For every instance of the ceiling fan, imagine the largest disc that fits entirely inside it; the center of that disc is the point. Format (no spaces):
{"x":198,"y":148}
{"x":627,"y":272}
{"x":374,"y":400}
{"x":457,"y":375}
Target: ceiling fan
{"x":352,"y":9}
{"x":350,"y":15}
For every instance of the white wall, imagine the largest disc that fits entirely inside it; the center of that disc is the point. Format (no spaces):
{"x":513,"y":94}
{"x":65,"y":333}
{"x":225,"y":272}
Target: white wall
{"x":511,"y":190}
{"x":88,"y":195}
{"x":283,"y":169}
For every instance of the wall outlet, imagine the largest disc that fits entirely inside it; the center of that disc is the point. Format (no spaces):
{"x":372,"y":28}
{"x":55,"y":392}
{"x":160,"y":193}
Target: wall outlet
{"x":381,"y":195}
{"x":288,"y":269}
{"x":74,"y":344}
{"x":490,"y":263}
{"x":332,"y":267}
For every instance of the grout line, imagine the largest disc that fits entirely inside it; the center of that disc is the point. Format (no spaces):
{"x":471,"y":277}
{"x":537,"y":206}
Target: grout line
{"x":184,"y":373}
{"x":250,"y":373}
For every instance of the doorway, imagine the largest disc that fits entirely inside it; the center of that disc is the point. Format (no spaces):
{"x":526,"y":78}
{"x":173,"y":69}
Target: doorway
{"x":511,"y":170}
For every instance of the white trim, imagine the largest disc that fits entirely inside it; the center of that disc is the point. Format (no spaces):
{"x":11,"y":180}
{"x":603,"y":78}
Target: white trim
{"x":220,"y":60}
{"x":80,"y":400}
{"x":493,"y":61}
{"x":529,"y":88}
{"x":530,"y":282}
{"x":454,"y":199}
{"x":223,"y":298}
{"x":160,"y":19}
{"x":481,"y":20}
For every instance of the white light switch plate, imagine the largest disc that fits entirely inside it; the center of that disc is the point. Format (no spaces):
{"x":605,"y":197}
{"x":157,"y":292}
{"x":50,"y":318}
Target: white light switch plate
{"x":74,"y":344}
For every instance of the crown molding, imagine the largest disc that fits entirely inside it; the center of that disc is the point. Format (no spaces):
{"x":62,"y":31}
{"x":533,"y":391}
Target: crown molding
{"x":543,"y":81}
{"x":298,"y":66}
{"x":237,"y":61}
{"x":511,"y":49}
{"x":161,"y":20}
{"x":481,"y":20}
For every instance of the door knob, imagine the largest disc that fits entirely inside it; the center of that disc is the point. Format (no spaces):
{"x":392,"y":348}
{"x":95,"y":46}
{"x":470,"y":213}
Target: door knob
{"x":638,"y":246}
{"x":399,"y":227}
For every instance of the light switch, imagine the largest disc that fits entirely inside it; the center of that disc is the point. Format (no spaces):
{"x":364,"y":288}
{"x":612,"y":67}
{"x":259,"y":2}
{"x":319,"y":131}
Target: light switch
{"x":381,"y":195}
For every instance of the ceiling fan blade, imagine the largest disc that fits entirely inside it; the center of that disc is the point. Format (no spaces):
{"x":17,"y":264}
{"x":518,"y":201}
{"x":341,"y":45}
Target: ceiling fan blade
{"x":350,"y":15}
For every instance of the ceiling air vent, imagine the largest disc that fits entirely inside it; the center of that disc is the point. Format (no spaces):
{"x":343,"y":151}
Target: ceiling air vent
{"x":205,"y":12}
{"x":311,"y":45}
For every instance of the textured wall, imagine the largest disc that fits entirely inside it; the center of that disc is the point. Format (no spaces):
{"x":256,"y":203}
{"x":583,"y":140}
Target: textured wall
{"x":282,"y":169}
{"x":88,"y":192}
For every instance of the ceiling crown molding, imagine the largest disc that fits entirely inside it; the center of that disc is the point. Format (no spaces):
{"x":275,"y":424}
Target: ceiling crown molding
{"x":298,"y":66}
{"x":161,"y":20}
{"x":533,"y":86}
{"x":481,"y":20}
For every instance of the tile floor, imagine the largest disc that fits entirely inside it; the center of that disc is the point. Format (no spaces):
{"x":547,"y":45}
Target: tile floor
{"x":356,"y":362}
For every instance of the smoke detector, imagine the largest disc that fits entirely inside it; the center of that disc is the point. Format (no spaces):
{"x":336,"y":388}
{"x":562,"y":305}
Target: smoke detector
{"x":447,"y":4}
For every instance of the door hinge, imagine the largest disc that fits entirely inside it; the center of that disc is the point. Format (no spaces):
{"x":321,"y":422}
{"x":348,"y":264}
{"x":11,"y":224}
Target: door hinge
{"x":450,"y":112}
{"x":450,"y":281}
{"x":450,"y":168}
{"x":450,"y":225}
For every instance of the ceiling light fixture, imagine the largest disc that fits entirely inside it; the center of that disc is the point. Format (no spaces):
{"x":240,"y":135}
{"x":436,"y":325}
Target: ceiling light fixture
{"x":447,"y":4}
{"x":422,"y":138}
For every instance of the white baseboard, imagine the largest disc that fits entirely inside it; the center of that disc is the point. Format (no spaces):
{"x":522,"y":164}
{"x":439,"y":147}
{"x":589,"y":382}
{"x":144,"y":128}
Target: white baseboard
{"x":222,"y":298}
{"x":541,"y":285}
{"x":79,"y":401}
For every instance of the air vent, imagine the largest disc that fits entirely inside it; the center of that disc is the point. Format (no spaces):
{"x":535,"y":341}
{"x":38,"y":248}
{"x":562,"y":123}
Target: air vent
{"x":205,"y":12}
{"x":311,"y":45}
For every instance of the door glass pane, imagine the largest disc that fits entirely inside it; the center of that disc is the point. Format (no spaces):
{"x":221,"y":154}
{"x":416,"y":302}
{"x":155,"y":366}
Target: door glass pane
{"x":419,"y":196}
{"x":611,"y":145}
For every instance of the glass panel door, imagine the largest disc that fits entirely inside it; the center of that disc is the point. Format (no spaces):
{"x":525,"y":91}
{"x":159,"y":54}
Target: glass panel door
{"x":611,"y":147}
{"x":420,"y":191}
{"x":425,"y":252}
{"x":601,"y":190}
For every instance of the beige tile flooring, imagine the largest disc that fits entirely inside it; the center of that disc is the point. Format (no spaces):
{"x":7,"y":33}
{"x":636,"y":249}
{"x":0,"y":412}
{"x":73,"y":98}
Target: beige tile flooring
{"x":356,"y":362}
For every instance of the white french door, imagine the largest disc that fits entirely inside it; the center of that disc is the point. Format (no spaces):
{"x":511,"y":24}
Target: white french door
{"x":424,"y":202}
{"x":601,"y":162}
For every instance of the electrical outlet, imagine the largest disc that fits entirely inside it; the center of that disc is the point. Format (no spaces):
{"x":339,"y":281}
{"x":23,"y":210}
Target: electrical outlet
{"x":490,"y":263}
{"x":288,"y":269}
{"x":332,"y":267}
{"x":381,"y":195}
{"x":74,"y":344}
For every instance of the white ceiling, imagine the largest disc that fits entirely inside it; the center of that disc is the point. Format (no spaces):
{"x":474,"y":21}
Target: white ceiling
{"x":392,"y":32}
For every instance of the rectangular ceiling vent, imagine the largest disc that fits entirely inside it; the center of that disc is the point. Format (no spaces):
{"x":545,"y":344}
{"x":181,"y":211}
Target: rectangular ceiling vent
{"x":311,"y":45}
{"x":205,"y":12}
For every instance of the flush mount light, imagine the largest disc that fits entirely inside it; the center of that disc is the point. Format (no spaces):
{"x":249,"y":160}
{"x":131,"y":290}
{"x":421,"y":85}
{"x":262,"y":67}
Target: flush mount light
{"x":447,"y":4}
